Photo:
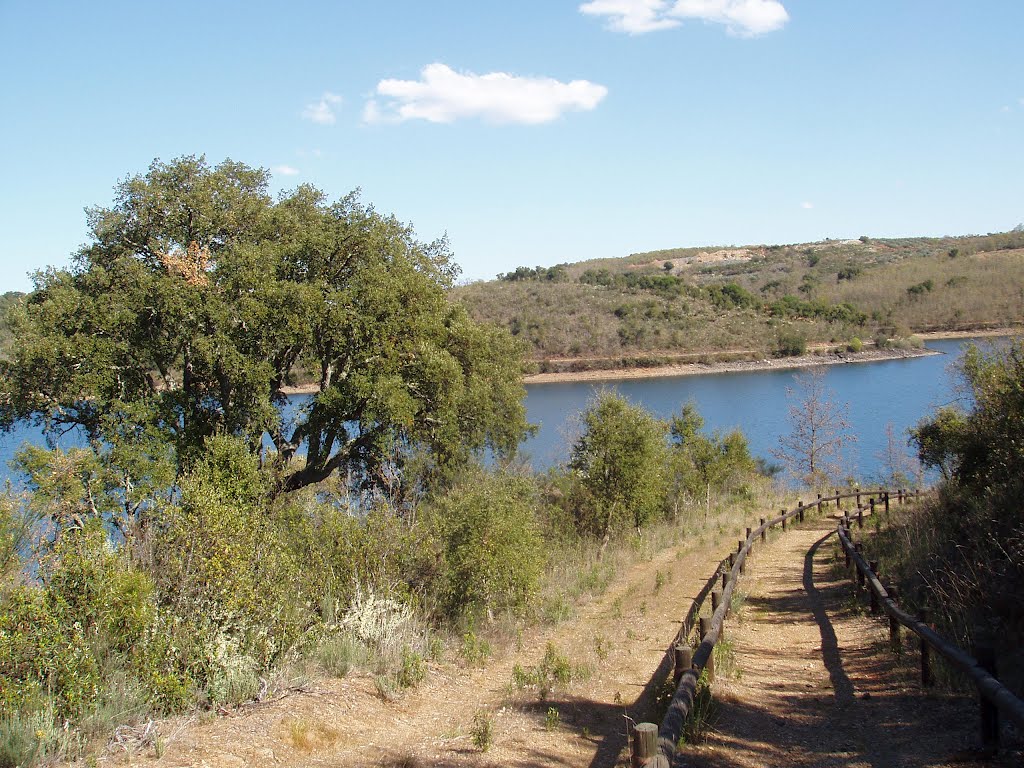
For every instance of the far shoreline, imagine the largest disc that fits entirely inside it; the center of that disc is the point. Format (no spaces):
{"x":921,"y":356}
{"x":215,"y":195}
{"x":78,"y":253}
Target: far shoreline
{"x":764,"y":364}
{"x":739,"y":366}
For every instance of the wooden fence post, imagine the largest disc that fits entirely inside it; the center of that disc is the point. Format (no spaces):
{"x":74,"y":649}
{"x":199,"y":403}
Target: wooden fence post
{"x":764,"y":531}
{"x":885,"y":498}
{"x":871,"y":503}
{"x":895,"y":641}
{"x":857,"y":491}
{"x":845,"y":550}
{"x":725,"y":579}
{"x":860,"y":517}
{"x":873,"y":565}
{"x":645,"y":743}
{"x":985,"y":654}
{"x":926,"y":667}
{"x":800,"y":511}
{"x":704,"y":623}
{"x":682,"y":658}
{"x":860,"y":574}
{"x":739,"y":550}
{"x":783,"y":520}
{"x":837,"y":498}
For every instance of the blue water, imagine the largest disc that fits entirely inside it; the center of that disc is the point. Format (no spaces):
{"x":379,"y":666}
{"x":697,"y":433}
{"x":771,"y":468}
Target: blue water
{"x":900,"y":392}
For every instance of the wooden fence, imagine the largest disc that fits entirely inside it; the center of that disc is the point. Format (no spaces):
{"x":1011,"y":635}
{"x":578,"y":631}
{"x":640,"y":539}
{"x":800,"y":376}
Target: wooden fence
{"x":994,"y":697}
{"x":655,"y":746}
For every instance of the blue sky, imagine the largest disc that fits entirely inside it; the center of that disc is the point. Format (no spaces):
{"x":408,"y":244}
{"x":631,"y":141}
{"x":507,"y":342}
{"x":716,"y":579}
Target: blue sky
{"x":531,"y":132}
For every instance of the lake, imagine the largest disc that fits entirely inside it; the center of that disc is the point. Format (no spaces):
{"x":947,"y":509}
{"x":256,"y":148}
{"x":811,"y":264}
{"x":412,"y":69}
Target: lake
{"x":897,"y":392}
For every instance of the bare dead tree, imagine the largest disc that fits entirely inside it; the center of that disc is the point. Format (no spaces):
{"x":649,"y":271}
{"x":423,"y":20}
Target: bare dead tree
{"x":819,"y":431}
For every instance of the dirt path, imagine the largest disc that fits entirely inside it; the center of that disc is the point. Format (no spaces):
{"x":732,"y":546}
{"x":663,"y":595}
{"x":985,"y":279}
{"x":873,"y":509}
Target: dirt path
{"x":620,"y":637}
{"x":814,"y":682}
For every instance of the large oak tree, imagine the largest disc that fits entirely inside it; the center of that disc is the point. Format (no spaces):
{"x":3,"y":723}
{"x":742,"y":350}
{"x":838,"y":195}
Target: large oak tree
{"x":200,"y":299}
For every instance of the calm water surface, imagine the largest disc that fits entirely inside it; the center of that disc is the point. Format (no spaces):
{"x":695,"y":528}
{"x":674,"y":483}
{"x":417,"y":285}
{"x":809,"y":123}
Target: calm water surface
{"x":897,"y":392}
{"x":900,"y":392}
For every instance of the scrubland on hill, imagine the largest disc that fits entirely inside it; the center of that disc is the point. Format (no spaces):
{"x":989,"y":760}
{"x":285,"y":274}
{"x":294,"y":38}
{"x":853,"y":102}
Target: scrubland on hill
{"x":646,"y":309}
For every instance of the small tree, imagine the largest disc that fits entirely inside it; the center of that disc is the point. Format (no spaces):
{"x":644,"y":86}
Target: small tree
{"x":819,"y":431}
{"x":619,"y":463}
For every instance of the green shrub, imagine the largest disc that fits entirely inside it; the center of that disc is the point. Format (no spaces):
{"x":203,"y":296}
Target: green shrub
{"x":43,"y":658}
{"x":791,"y":344}
{"x":492,"y":549}
{"x":225,"y":574}
{"x":855,"y":345}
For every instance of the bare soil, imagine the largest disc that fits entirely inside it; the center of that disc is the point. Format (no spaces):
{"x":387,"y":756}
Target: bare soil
{"x":812,"y":684}
{"x":620,"y":637}
{"x":815,"y":682}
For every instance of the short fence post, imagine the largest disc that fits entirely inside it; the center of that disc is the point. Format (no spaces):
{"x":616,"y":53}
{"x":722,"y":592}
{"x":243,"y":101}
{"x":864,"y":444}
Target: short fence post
{"x":871,"y":503}
{"x":860,"y":517}
{"x":764,"y":531}
{"x":704,"y":623}
{"x":986,"y":656}
{"x":926,"y":667}
{"x":837,"y":498}
{"x":819,"y":502}
{"x":732,"y":561}
{"x":739,"y":551}
{"x":873,"y":565}
{"x":749,"y":531}
{"x":725,"y":579}
{"x":645,"y":743}
{"x":682,"y":658}
{"x":857,"y":491}
{"x":846,"y":552}
{"x":894,"y":626}
{"x":885,"y":498}
{"x":860,"y":574}
{"x":800,"y":510}
{"x":783,"y":520}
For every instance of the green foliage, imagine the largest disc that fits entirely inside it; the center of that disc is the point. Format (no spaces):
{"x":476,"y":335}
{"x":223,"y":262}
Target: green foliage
{"x":43,"y":658}
{"x":482,"y":732}
{"x":703,"y":465}
{"x":552,"y":718}
{"x":224,"y":574}
{"x":981,"y":448}
{"x":554,"y":670}
{"x":619,"y":463}
{"x":791,"y":344}
{"x":491,"y":543}
{"x":555,"y":274}
{"x":199,"y":299}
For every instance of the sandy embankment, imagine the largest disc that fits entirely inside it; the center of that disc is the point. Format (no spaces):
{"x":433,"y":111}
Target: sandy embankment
{"x":696,"y":369}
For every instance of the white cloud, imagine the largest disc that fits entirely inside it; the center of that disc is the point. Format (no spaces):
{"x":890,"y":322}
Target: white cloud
{"x":741,"y":17}
{"x":632,"y":16}
{"x":322,"y":112}
{"x":746,"y":18}
{"x":806,"y":206}
{"x":285,"y":170}
{"x":443,"y":95}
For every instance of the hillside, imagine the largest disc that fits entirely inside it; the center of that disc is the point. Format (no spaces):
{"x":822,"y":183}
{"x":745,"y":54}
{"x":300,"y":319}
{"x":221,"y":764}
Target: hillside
{"x":649,"y":308}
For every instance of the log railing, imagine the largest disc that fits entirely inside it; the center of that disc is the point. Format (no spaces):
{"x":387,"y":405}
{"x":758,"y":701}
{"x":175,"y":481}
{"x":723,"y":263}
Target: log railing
{"x":655,"y":746}
{"x":995,"y":698}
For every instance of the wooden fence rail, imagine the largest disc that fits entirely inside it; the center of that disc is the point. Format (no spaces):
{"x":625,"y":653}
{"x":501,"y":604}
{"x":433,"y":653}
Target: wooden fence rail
{"x":991,"y":691}
{"x":664,"y":747}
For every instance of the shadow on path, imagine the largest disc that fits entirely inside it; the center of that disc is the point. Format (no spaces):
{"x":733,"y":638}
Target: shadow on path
{"x":841,"y":684}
